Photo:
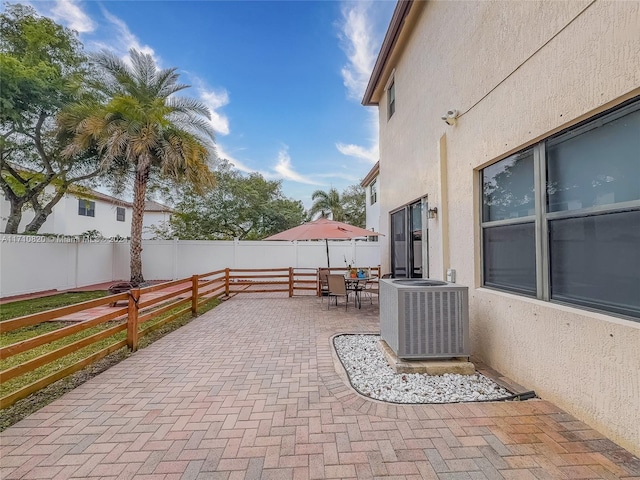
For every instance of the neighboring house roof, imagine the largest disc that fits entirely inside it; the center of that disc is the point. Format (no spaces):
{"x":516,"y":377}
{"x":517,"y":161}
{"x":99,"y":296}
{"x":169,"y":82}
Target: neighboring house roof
{"x":388,"y":44}
{"x":151,"y":206}
{"x":84,"y":192}
{"x":88,"y":193}
{"x":373,"y":173}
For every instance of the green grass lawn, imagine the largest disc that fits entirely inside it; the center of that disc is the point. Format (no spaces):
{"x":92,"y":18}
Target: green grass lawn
{"x":21,"y":308}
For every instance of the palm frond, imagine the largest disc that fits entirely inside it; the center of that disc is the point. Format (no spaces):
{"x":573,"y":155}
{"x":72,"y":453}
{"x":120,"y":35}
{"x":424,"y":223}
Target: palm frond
{"x":189,"y":105}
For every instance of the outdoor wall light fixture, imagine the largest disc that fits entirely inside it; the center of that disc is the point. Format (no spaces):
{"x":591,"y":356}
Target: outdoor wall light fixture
{"x":451,"y":117}
{"x":432,"y":212}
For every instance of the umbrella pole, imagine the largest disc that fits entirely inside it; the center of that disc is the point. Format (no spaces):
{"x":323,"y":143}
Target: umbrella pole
{"x":326,"y":242}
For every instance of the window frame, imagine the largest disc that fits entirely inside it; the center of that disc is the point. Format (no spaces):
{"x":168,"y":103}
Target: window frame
{"x":88,"y":206}
{"x":373,"y":192}
{"x":390,"y":90}
{"x":124,"y":214}
{"x":409,"y":252}
{"x":391,"y":99}
{"x":542,"y":217}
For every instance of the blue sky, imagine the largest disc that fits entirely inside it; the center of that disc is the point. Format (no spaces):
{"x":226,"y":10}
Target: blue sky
{"x":283,"y":80}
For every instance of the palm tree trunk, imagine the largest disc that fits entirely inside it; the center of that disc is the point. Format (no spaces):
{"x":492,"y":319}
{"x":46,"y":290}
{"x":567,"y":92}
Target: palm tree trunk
{"x":139,"y":191}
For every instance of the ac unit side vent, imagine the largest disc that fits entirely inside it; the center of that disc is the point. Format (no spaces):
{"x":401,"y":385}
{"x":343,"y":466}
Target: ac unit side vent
{"x":425,"y":322}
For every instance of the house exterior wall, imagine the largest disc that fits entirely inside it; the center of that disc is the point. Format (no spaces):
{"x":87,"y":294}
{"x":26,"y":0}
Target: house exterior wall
{"x":372,"y":211}
{"x":153,"y":219}
{"x":104,"y":221}
{"x":523,"y":70}
{"x":65,"y":220}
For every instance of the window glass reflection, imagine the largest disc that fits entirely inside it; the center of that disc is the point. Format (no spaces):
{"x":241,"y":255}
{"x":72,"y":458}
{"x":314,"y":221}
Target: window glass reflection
{"x":398,"y":245}
{"x":595,"y":261}
{"x":596,"y":167}
{"x":510,"y":258}
{"x":508,"y":188}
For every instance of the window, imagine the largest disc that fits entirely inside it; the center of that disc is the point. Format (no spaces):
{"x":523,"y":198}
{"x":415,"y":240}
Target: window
{"x":120,"y":211}
{"x":391,"y":99}
{"x":406,"y":240}
{"x":561,"y":220}
{"x":373,"y":192}
{"x":86,"y":208}
{"x":508,"y":220}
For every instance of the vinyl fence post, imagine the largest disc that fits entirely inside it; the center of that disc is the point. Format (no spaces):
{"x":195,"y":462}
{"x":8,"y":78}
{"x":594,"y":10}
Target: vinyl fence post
{"x":132,"y":319}
{"x":226,"y":282}
{"x":194,"y":295}
{"x":290,"y":282}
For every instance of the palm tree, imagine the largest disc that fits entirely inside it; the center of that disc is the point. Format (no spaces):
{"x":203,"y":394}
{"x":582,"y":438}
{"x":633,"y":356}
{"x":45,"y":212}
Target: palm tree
{"x":142,"y":131}
{"x":327,"y":203}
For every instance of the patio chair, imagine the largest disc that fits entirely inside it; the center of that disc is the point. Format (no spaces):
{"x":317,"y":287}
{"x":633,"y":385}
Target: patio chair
{"x":324,"y":286}
{"x":371,"y":288}
{"x":338,"y":288}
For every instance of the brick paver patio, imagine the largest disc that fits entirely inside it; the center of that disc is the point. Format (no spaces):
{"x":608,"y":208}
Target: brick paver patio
{"x":252,"y":389}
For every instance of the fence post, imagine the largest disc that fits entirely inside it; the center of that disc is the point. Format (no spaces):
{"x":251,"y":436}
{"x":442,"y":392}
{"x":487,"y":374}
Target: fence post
{"x":226,"y":282}
{"x":132,"y":319}
{"x":290,"y":282}
{"x":194,"y":295}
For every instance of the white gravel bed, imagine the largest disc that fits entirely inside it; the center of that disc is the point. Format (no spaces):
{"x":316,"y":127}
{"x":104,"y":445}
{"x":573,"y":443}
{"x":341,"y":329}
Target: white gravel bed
{"x":372,"y":376}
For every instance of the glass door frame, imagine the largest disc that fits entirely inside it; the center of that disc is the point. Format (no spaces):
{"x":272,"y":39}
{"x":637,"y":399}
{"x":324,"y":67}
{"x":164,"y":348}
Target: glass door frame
{"x":409,"y":249}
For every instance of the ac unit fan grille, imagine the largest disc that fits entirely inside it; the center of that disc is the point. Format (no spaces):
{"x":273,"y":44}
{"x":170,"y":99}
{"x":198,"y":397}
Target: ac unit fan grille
{"x":443,"y":334}
{"x":425,"y":321}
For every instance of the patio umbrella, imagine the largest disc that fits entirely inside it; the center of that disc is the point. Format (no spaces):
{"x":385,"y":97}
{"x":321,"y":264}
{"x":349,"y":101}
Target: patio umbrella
{"x":323,"y":229}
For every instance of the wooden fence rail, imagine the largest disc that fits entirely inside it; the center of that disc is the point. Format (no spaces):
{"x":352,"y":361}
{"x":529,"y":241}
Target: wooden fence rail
{"x":144,"y":305}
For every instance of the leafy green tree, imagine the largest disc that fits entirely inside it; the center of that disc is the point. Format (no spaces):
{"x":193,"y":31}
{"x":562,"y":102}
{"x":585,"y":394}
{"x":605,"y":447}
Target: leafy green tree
{"x":142,"y":131}
{"x":354,"y":206}
{"x":245,"y":207}
{"x":43,"y":68}
{"x":327,"y":203}
{"x":348,"y":207}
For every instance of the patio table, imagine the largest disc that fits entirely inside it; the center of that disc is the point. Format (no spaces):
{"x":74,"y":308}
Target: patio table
{"x":353,"y":284}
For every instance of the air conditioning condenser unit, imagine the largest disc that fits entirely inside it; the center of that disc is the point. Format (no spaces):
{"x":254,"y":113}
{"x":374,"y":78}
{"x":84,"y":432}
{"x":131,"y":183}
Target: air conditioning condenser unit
{"x":423,"y":318}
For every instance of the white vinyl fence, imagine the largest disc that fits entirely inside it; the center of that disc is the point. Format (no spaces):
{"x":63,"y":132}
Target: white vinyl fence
{"x":34,"y":264}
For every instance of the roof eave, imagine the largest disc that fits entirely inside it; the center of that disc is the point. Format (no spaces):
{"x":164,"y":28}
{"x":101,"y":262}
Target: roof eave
{"x":391,"y":37}
{"x":373,"y":173}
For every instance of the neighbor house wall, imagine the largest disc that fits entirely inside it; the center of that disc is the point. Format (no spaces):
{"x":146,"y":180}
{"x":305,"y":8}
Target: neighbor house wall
{"x":519,"y":71}
{"x":104,"y":221}
{"x":153,"y":219}
{"x":64,"y":218}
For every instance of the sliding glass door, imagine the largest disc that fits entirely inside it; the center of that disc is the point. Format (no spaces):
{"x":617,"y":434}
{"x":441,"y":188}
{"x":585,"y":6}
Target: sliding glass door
{"x":407,"y":225}
{"x":399,"y":244}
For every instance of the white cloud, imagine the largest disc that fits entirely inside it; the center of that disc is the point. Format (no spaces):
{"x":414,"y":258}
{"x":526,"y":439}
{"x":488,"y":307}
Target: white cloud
{"x":214,"y":100}
{"x":370,"y":154}
{"x":359,"y":45}
{"x":286,"y":172}
{"x":223,"y":154}
{"x":282,"y":170}
{"x":69,"y":13}
{"x":124,"y":39}
{"x":346,"y":177}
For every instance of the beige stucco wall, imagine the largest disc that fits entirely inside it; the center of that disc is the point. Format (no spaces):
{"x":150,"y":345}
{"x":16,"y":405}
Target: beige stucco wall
{"x":520,"y":71}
